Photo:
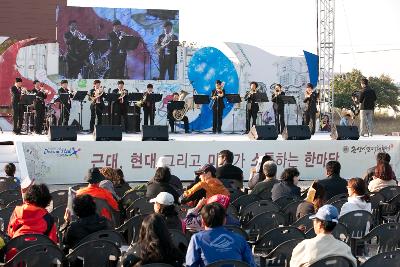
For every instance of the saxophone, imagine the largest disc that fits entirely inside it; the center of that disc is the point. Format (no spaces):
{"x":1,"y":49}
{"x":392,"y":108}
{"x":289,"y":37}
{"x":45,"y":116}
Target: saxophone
{"x":178,"y":114}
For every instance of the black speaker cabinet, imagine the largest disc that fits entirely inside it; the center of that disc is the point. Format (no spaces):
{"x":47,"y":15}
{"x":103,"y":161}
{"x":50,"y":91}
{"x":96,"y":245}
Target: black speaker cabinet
{"x":155,"y":133}
{"x":63,"y":133}
{"x":263,"y":132}
{"x":296,"y":132}
{"x":108,"y":133}
{"x":345,"y":133}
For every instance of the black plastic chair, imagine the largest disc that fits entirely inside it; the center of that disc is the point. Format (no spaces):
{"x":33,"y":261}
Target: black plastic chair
{"x":8,"y":196}
{"x":256,"y":208}
{"x":5,"y":214}
{"x":281,"y":255}
{"x":38,"y":255}
{"x":390,"y":192}
{"x":356,"y":222}
{"x":180,"y":240}
{"x":110,"y":235}
{"x":243,"y":201}
{"x":14,"y":203}
{"x":237,"y":230}
{"x":284,"y":201}
{"x":130,"y":196}
{"x":290,"y":211}
{"x":58,"y":214}
{"x":339,"y":232}
{"x":337,"y":197}
{"x":376,"y":199}
{"x":157,"y":265}
{"x":263,"y":223}
{"x":140,"y":206}
{"x":59,"y":197}
{"x":95,"y":253}
{"x":228,"y":263}
{"x":231,"y":210}
{"x":388,"y":259}
{"x":338,"y":204}
{"x":335,"y":261}
{"x":22,"y":242}
{"x":235,"y":194}
{"x":8,"y":184}
{"x":130,"y":228}
{"x":389,"y":210}
{"x":305,"y":222}
{"x":231,"y":183}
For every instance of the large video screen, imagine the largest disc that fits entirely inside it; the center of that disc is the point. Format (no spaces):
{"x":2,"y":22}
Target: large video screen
{"x":115,"y":43}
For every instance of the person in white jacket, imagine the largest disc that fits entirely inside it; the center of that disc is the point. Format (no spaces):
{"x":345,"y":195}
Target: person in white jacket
{"x":358,"y":198}
{"x":324,"y":244}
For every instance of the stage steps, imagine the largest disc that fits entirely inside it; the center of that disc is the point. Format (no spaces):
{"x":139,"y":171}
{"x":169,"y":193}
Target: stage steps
{"x":8,"y":154}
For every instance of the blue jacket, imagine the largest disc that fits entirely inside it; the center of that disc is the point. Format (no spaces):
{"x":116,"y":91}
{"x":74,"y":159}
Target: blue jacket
{"x":217,"y":244}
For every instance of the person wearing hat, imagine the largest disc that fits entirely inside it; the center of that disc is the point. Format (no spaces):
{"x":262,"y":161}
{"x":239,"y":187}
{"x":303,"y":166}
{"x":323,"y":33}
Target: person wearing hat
{"x":164,"y":205}
{"x":18,"y":111}
{"x":94,"y":177}
{"x":117,"y":54}
{"x":167,"y":44}
{"x":263,"y":189}
{"x":208,"y":186}
{"x":175,"y":182}
{"x":324,"y":244}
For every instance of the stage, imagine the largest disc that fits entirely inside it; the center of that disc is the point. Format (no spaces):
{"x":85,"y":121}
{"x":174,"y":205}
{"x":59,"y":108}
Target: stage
{"x":65,"y":162}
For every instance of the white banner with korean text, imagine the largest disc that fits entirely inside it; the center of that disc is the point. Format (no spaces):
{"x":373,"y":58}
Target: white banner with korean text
{"x":68,"y":162}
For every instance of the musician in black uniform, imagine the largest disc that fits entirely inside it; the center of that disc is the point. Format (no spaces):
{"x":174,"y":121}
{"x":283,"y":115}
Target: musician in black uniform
{"x":39,"y":104}
{"x":171,"y":118}
{"x":217,"y":96}
{"x":117,"y":54}
{"x":65,"y":107}
{"x":251,"y":106}
{"x":279,"y":108}
{"x":310,"y":110}
{"x":120,"y":107}
{"x":149,"y":107}
{"x":18,"y":111}
{"x":77,"y":50}
{"x":96,"y":96}
{"x":167,"y":49}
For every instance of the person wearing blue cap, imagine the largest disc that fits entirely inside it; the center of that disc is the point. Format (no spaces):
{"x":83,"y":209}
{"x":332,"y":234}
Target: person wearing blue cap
{"x":324,"y":244}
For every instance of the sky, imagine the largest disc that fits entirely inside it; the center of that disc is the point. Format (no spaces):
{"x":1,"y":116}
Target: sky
{"x":287,"y":27}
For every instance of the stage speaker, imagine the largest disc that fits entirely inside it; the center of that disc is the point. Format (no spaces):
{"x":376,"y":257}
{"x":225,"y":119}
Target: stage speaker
{"x":107,"y":133}
{"x":263,"y":132}
{"x":155,"y":133}
{"x":345,"y":133}
{"x":63,"y":133}
{"x":296,"y":132}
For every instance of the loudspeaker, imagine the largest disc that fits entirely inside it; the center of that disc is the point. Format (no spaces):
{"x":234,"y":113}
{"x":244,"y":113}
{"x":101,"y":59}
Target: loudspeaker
{"x":107,"y":133}
{"x":345,"y":133}
{"x":264,"y":132}
{"x":155,"y":133}
{"x":63,"y":133}
{"x":296,"y":132}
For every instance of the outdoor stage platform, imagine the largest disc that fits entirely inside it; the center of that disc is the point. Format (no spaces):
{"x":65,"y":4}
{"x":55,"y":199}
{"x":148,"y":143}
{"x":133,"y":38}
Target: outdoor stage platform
{"x":65,"y":162}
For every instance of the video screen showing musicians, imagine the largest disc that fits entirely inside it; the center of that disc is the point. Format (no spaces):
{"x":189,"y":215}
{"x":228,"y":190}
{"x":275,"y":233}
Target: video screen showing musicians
{"x":167,"y":50}
{"x":174,"y":115}
{"x":279,"y":108}
{"x":218,"y":105}
{"x":97,"y":106}
{"x":252,"y":107}
{"x":118,"y":53}
{"x":65,"y":103}
{"x":310,"y":109}
{"x":120,"y":107}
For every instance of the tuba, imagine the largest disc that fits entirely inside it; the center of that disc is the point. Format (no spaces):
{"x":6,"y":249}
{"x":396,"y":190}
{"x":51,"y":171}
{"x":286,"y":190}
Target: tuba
{"x":178,"y":114}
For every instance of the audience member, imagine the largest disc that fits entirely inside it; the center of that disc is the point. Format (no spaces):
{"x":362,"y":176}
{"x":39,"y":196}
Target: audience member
{"x":226,"y":170}
{"x":314,"y":200}
{"x":381,"y":156}
{"x":193,"y":217}
{"x":154,"y":245}
{"x":175,"y":182}
{"x":160,"y":183}
{"x":116,"y":176}
{"x":263,"y":189}
{"x":94,"y":177}
{"x":216,"y":243}
{"x":164,"y":205}
{"x":32,"y":217}
{"x":345,"y":120}
{"x":324,"y":244}
{"x":383,"y":177}
{"x":208,"y":186}
{"x":108,"y":185}
{"x":333,"y":183}
{"x":287,"y":187}
{"x":10,"y":170}
{"x":257,"y":174}
{"x":88,"y":222}
{"x":358,"y":197}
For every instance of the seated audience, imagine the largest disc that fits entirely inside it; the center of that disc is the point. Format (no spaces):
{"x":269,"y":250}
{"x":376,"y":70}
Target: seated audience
{"x":314,"y":200}
{"x":10,"y":170}
{"x":175,"y":182}
{"x":333,"y":183}
{"x":358,"y":197}
{"x":94,"y":177}
{"x":380,"y":157}
{"x":383,"y":177}
{"x":287,"y":187}
{"x":154,"y":245}
{"x":226,"y":170}
{"x":345,"y":120}
{"x":263,"y":189}
{"x":160,"y":183}
{"x":164,"y":205}
{"x":257,"y":174}
{"x":216,"y":243}
{"x":193,"y":217}
{"x":88,"y":222}
{"x":324,"y":244}
{"x":32,"y":217}
{"x":117,"y":179}
{"x":208,"y":186}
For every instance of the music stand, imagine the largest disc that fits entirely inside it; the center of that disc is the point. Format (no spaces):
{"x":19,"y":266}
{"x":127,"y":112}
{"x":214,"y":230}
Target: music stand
{"x":233,"y":99}
{"x":201,"y":100}
{"x":80,"y":97}
{"x":261,"y":97}
{"x":111,"y":98}
{"x":154,"y":97}
{"x":288,"y":100}
{"x":129,"y":42}
{"x":27,"y":100}
{"x":135,"y":97}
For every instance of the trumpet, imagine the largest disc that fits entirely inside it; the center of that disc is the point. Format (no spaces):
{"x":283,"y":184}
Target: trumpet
{"x":24,"y":91}
{"x":80,"y":35}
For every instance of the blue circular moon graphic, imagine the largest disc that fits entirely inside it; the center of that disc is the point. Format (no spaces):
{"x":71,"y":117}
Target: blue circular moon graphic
{"x":207,"y":65}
